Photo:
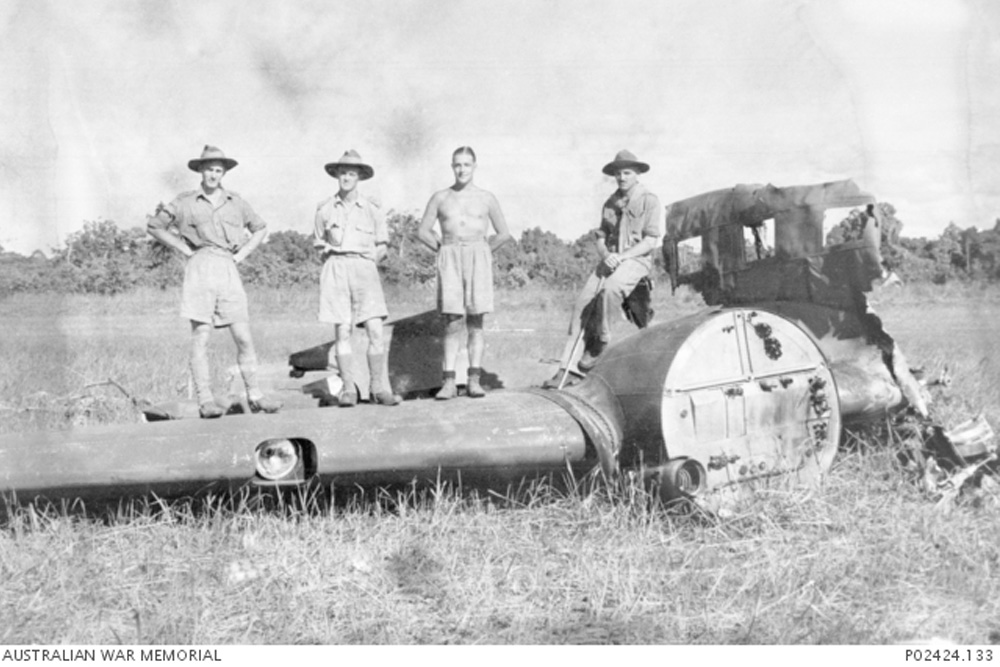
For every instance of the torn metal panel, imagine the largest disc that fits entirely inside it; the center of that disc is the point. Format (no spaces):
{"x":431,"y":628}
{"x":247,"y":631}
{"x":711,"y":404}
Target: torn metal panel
{"x":800,"y":268}
{"x":822,"y":288}
{"x":750,"y":205}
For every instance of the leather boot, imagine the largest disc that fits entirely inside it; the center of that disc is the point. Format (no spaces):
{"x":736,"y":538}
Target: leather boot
{"x":449,"y":389}
{"x":264,"y":404}
{"x":210,"y":410}
{"x":473,"y":389}
{"x":379,"y":395}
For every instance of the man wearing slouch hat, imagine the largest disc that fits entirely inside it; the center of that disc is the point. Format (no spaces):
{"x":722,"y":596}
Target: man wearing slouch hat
{"x":215,"y":230}
{"x":626,"y":238}
{"x":351,"y":234}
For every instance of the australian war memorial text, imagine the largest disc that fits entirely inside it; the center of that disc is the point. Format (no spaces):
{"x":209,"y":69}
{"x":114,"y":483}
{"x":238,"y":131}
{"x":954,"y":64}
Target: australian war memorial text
{"x":48,"y":655}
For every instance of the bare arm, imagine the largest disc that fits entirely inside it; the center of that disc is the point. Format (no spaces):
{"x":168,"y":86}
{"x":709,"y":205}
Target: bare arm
{"x":319,"y":234}
{"x":503,"y":236}
{"x":255,"y":240}
{"x":171,"y":240}
{"x":600,"y":243}
{"x":381,"y":232}
{"x":647,"y":244}
{"x":157,"y":228}
{"x":614,"y":259}
{"x":425,"y":232}
{"x":319,"y":231}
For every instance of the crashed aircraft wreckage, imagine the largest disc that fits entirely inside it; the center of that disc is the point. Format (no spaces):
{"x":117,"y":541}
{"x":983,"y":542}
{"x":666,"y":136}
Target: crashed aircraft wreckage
{"x":752,"y":392}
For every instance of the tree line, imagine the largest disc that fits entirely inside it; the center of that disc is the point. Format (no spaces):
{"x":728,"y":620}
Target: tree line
{"x":102,"y":258}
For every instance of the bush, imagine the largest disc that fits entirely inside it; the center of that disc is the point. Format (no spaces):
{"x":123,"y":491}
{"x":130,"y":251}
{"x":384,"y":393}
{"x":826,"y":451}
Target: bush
{"x":286,"y":258}
{"x":103,"y":259}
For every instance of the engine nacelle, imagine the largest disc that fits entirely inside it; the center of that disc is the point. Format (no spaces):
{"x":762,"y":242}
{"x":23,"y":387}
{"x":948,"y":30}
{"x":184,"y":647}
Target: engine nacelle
{"x":735,"y":396}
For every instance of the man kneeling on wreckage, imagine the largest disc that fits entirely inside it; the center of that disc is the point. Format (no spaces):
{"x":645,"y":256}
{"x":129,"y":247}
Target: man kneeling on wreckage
{"x":629,"y":232}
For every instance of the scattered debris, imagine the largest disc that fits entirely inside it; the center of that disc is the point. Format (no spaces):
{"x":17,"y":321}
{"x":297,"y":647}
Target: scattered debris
{"x":947,"y":462}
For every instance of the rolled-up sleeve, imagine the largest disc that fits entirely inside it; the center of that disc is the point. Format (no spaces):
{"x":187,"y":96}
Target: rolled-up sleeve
{"x":253,"y":221}
{"x":651,"y":213}
{"x":163,"y":218}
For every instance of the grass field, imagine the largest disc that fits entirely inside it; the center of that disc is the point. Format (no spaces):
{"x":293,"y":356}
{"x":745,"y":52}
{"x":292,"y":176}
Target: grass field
{"x":867,"y":558}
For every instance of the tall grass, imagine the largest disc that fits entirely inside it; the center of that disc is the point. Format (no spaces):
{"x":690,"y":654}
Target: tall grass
{"x":863,"y":559}
{"x":868,"y":557}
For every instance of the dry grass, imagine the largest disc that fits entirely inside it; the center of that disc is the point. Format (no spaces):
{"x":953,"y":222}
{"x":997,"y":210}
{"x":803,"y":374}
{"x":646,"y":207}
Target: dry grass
{"x":867,"y":558}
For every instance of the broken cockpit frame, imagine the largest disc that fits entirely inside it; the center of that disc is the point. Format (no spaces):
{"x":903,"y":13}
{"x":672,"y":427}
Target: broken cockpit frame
{"x":767,"y":247}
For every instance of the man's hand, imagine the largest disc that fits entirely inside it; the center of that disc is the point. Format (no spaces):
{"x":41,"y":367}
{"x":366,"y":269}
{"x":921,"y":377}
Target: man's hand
{"x":325,"y":250}
{"x":613,"y":261}
{"x":171,"y":240}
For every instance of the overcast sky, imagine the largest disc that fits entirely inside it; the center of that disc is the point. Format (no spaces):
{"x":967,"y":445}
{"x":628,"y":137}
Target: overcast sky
{"x":105,"y":101}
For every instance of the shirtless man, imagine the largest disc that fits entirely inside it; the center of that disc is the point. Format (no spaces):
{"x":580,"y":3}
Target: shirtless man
{"x":464,"y":265}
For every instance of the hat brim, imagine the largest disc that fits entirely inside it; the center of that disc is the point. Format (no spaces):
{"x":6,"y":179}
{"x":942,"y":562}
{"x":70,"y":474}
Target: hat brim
{"x":364,"y":171}
{"x":196,"y":164}
{"x":611,"y":167}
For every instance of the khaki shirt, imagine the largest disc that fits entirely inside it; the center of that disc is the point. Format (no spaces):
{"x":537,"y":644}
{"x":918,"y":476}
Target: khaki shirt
{"x":626,"y":220}
{"x":202,"y":225}
{"x":350,"y":228}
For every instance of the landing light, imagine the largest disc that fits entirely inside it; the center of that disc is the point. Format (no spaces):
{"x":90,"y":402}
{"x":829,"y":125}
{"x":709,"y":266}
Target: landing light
{"x":276,"y":459}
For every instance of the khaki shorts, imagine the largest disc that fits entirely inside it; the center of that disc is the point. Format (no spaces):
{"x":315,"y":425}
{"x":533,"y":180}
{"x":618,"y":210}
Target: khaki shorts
{"x":465,"y":278}
{"x":350,"y":291}
{"x":213,"y":291}
{"x":616,"y":287}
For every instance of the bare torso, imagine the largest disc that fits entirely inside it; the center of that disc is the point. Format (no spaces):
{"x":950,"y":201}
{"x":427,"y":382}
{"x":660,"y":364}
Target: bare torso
{"x":464,"y":215}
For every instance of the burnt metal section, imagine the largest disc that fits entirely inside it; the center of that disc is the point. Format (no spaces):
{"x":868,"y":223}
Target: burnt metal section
{"x":821,"y":288}
{"x":800,"y":269}
{"x":711,"y":388}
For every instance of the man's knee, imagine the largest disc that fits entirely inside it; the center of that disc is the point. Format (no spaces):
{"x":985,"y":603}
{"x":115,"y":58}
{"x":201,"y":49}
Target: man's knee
{"x":240,"y":332}
{"x":619,"y":284}
{"x":452,"y":322}
{"x":200,"y":333}
{"x":342,"y":332}
{"x":376,"y":338}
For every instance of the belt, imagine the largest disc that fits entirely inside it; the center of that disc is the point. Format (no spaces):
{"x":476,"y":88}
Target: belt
{"x":214,"y":250}
{"x":349,"y":255}
{"x":481,"y":239}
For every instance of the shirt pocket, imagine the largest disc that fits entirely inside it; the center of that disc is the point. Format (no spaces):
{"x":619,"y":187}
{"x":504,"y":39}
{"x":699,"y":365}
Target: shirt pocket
{"x":366,"y":226}
{"x":633,"y":223}
{"x":610,"y":216}
{"x":335,"y":233}
{"x":364,"y":233}
{"x":232,"y":225}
